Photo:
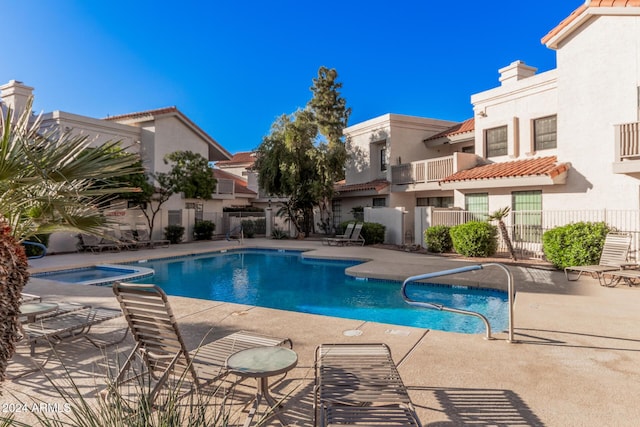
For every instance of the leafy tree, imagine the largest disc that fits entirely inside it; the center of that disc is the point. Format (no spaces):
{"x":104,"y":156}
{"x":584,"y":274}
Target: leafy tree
{"x":304,"y":154}
{"x":155,"y":191}
{"x":49,"y":181}
{"x":190,"y":174}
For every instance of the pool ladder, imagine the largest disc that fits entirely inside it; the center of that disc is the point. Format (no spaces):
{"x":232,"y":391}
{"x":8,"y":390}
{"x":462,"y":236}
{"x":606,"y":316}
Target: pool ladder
{"x":434,"y":306}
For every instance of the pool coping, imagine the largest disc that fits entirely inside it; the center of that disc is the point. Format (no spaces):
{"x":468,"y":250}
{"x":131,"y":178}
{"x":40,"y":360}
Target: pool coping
{"x":138,"y":273}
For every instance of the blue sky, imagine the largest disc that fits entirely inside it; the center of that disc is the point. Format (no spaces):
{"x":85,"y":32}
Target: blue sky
{"x":233,"y":67}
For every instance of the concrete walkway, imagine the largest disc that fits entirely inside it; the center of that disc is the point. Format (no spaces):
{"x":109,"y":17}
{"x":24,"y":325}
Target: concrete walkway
{"x":576,"y":361}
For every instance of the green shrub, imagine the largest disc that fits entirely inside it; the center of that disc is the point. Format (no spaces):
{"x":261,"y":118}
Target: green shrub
{"x":203,"y":230}
{"x":174,"y":233}
{"x":278,"y":234}
{"x":373,"y":233}
{"x":475,"y":239}
{"x":248,"y":228}
{"x":438,"y":238}
{"x":575,"y":244}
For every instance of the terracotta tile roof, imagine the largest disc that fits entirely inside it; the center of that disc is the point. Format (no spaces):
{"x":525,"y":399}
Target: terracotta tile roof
{"x":466,"y":126}
{"x":239,"y":159}
{"x":241,"y":185}
{"x":593,"y":3}
{"x":378,"y":184}
{"x":517,"y":168}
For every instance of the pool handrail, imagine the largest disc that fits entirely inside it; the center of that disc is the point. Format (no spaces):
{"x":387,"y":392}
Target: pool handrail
{"x":37,"y":245}
{"x":510,"y":291}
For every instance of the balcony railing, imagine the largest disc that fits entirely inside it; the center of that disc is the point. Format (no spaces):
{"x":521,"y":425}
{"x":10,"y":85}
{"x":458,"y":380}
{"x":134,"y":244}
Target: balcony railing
{"x":225,"y":186}
{"x":628,"y":136}
{"x":431,"y":170}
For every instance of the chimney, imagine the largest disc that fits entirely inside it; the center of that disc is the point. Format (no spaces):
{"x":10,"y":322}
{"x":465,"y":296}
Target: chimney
{"x":15,"y":96}
{"x":515,"y":71}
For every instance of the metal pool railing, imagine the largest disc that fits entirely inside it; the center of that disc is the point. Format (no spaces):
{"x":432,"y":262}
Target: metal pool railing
{"x":434,"y":306}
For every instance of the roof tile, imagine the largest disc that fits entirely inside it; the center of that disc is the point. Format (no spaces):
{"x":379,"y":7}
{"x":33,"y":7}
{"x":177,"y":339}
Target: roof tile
{"x":517,"y":168}
{"x":593,"y":3}
{"x":239,"y":158}
{"x":466,"y":126}
{"x":377,"y":185}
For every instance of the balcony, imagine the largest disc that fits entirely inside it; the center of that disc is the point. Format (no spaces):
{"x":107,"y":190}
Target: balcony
{"x":627,"y":148}
{"x":425,"y":174}
{"x":225,"y":188}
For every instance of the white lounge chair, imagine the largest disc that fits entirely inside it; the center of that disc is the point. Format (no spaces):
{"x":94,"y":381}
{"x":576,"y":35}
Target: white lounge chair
{"x":614,"y":256}
{"x":143,"y":237}
{"x":161,"y":349}
{"x":354,"y":239}
{"x":346,"y":235}
{"x":359,"y":384}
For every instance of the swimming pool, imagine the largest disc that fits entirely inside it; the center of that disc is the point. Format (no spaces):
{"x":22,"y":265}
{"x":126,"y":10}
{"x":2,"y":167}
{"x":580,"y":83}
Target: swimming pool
{"x":286,"y":280}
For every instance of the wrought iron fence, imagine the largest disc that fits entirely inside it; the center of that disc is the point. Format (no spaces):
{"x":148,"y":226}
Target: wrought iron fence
{"x":526,"y":228}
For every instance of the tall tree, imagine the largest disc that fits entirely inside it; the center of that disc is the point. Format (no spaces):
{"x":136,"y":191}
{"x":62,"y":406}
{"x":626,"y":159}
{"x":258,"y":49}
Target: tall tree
{"x":304,"y":155}
{"x":49,"y":181}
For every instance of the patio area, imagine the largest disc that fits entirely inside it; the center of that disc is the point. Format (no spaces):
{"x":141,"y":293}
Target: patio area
{"x":576,"y":360}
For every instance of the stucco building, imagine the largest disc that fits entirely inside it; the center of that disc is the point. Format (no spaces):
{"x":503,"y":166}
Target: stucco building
{"x":562,"y":140}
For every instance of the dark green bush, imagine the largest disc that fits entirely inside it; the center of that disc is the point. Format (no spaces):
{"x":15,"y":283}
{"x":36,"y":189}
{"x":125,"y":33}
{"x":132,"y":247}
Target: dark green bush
{"x":475,"y":239}
{"x":438,"y":238}
{"x":373,"y":233}
{"x":174,"y":233}
{"x":248,"y":228}
{"x":279,"y":234}
{"x":575,"y":244}
{"x":203,"y":230}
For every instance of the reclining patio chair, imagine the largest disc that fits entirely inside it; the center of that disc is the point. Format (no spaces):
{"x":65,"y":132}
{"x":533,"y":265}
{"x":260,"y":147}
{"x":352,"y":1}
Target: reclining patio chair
{"x":354,"y":239}
{"x":347,"y":234}
{"x":61,"y":322}
{"x":613,"y":257}
{"x":144,"y":238}
{"x":160,"y":347}
{"x":360,"y":384}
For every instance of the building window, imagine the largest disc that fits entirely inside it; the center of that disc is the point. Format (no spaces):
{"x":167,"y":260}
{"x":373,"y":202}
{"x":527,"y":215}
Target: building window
{"x":470,"y":149}
{"x":496,"y":141}
{"x":526,"y":209}
{"x":336,"y":208}
{"x":379,"y":202}
{"x":383,"y":159}
{"x":544,"y":133}
{"x":436,"y":202}
{"x":478,"y":205}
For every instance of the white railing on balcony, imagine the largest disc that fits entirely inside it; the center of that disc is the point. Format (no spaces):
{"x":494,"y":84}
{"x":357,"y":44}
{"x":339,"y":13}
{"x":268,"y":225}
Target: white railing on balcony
{"x":431,"y":170}
{"x":628,"y":136}
{"x":225,"y":186}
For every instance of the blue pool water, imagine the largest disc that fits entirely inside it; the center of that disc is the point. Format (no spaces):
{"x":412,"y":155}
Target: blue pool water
{"x":287,"y":281}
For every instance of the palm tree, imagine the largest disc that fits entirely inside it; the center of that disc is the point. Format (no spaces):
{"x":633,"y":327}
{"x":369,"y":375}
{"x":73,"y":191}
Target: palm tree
{"x":49,"y":181}
{"x":499,"y":216}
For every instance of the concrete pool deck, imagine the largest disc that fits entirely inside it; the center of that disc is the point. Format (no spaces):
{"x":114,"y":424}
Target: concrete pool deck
{"x":576,"y":361}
